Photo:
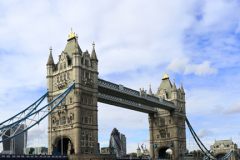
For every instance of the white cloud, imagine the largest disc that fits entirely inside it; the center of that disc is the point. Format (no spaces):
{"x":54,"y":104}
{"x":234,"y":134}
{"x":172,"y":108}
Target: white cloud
{"x":135,"y":43}
{"x":182,"y":66}
{"x":178,"y":65}
{"x":235,"y":109}
{"x":200,"y":69}
{"x":203,"y":133}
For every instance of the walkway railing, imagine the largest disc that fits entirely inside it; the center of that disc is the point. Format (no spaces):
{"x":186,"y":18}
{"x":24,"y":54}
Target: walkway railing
{"x":126,"y":102}
{"x":138,"y":94}
{"x":32,"y":156}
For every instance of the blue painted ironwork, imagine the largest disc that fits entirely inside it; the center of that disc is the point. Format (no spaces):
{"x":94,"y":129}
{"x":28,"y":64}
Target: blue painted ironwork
{"x":171,"y":144}
{"x":137,"y":94}
{"x":126,"y":102}
{"x":24,"y":110}
{"x":64,"y":94}
{"x":155,"y":145}
{"x":206,"y":157}
{"x":32,"y":156}
{"x":203,"y":148}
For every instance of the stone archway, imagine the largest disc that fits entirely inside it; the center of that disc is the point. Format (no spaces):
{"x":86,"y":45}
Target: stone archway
{"x":220,"y":155}
{"x":62,"y":144}
{"x":162,"y":152}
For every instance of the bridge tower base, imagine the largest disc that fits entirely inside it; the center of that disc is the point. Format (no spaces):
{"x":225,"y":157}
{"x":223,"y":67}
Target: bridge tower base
{"x":167,"y":128}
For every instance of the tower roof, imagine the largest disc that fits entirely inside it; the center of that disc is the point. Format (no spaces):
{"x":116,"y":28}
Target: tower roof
{"x":71,"y":43}
{"x":71,"y":34}
{"x":165,"y":76}
{"x":166,"y":85}
{"x":93,"y":54}
{"x":50,"y":58}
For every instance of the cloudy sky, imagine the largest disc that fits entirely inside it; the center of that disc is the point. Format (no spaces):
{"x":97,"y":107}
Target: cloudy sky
{"x":194,"y":41}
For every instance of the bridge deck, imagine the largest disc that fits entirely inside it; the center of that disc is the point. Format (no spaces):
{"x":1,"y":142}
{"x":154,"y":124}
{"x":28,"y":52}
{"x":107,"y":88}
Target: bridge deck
{"x":119,"y":95}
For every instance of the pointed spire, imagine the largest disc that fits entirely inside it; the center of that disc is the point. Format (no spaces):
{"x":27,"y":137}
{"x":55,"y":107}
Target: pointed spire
{"x":50,"y":58}
{"x":150,"y":90}
{"x":174,"y":88}
{"x":71,"y":35}
{"x":165,"y":76}
{"x":93,"y":54}
{"x":138,"y":146}
{"x":182,"y":90}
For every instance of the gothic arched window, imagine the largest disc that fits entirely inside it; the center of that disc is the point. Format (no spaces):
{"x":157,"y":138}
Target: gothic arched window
{"x":60,"y":66}
{"x":64,"y":65}
{"x":162,"y":122}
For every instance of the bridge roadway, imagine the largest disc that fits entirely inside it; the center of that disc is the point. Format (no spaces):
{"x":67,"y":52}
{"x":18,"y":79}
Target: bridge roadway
{"x":118,"y":95}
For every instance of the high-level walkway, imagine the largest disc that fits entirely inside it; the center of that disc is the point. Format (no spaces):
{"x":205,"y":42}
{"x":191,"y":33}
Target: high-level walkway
{"x":118,"y":95}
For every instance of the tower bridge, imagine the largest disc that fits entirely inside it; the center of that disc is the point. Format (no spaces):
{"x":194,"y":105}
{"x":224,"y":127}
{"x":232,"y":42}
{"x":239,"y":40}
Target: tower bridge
{"x":166,"y":108}
{"x":74,"y":89}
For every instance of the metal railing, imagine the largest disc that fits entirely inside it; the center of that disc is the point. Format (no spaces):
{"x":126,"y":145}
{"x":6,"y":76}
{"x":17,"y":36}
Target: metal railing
{"x":121,"y":88}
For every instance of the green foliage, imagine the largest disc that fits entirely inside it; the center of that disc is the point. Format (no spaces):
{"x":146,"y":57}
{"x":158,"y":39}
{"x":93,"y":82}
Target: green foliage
{"x":197,"y":153}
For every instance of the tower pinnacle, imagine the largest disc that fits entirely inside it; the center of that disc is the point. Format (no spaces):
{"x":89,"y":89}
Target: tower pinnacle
{"x":150,"y":90}
{"x":93,"y":54}
{"x":165,"y":76}
{"x":71,"y":35}
{"x":50,"y":58}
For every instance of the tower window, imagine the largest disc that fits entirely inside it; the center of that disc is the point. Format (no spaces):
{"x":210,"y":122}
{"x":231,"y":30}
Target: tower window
{"x":64,"y":76}
{"x":68,"y":75}
{"x":168,"y":135}
{"x":163,"y":135}
{"x":169,"y":121}
{"x":87,"y":62}
{"x":70,"y":100}
{"x":61,"y":67}
{"x":83,"y":134}
{"x":90,"y":135}
{"x":64,"y":65}
{"x":61,"y":78}
{"x":86,"y":120}
{"x":87,"y":75}
{"x":57,"y":79}
{"x":162,"y":122}
{"x":158,"y":136}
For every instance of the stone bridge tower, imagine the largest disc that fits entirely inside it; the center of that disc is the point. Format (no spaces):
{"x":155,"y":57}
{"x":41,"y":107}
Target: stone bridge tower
{"x":167,"y":128}
{"x":74,"y":123}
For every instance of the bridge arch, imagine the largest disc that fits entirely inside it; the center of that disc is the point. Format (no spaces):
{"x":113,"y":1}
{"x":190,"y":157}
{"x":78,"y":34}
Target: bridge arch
{"x":162,"y":154}
{"x":57,"y":143}
{"x":220,"y":154}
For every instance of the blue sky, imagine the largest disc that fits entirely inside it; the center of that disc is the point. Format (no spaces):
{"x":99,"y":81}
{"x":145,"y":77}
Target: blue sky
{"x":194,"y":41}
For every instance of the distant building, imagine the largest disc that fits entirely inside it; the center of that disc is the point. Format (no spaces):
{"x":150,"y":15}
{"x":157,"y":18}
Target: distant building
{"x":107,"y":150}
{"x":124,"y":144}
{"x":222,"y":147}
{"x":15,"y":145}
{"x":118,"y":141}
{"x":37,"y":150}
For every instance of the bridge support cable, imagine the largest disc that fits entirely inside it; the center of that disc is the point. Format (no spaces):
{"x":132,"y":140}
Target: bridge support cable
{"x":34,"y":114}
{"x":31,"y":108}
{"x":199,"y":143}
{"x":206,"y":157}
{"x":203,"y":148}
{"x":11,"y":119}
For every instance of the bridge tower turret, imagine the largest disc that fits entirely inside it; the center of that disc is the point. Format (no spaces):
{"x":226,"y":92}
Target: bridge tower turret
{"x":73,"y":125}
{"x":167,"y":128}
